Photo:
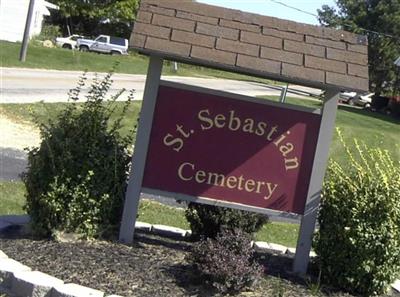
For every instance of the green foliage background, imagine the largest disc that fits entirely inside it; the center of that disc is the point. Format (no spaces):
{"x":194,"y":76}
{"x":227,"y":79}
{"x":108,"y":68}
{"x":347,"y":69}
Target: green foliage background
{"x":114,"y":10}
{"x":93,"y":17}
{"x":209,"y":220}
{"x":382,"y":19}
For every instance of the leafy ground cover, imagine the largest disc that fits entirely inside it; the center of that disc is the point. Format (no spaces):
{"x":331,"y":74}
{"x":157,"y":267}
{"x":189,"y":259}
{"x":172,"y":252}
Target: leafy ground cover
{"x":11,"y":197}
{"x":152,"y":267}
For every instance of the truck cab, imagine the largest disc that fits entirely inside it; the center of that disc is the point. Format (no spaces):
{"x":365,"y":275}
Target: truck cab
{"x":104,"y":44}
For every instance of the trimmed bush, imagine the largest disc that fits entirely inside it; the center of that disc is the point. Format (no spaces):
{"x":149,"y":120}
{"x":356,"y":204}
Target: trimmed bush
{"x":358,"y":242}
{"x":379,"y":102}
{"x":227,"y":262}
{"x":49,"y":32}
{"x":394,"y":106}
{"x":76,"y":178}
{"x":208,"y":220}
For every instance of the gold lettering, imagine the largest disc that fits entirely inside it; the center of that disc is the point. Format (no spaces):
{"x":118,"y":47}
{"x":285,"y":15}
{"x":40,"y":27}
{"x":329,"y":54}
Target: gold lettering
{"x":180,"y":130}
{"x":291,"y":163}
{"x":259,"y":184}
{"x":216,"y":176}
{"x":248,"y":126}
{"x":231,"y":182}
{"x":261,"y":128}
{"x":180,"y":169}
{"x":273,"y":130}
{"x":219,"y":121}
{"x":200,"y":176}
{"x":286,"y":149}
{"x":232,"y":120}
{"x":188,"y":172}
{"x":174,"y":141}
{"x":240,"y":183}
{"x":249,"y":185}
{"x":270,"y":190}
{"x":281,"y":138}
{"x":203,"y":118}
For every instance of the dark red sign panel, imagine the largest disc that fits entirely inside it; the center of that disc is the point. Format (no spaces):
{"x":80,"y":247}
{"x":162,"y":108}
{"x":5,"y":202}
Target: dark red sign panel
{"x":226,"y":149}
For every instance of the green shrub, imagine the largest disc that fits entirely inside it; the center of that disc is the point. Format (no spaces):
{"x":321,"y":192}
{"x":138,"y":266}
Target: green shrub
{"x":208,"y":220}
{"x":76,"y":178}
{"x":226,"y":262}
{"x":49,"y":32}
{"x":358,"y":242}
{"x":394,"y":106}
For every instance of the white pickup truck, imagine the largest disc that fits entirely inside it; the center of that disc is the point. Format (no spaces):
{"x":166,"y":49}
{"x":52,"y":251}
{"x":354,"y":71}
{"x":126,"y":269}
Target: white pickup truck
{"x":104,"y":44}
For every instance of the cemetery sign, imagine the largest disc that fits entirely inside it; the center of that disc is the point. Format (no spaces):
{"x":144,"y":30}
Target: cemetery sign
{"x":216,"y":147}
{"x":229,"y":150}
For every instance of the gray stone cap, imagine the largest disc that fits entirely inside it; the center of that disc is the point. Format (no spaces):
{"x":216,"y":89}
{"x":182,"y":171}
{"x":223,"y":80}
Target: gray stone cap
{"x":248,"y":43}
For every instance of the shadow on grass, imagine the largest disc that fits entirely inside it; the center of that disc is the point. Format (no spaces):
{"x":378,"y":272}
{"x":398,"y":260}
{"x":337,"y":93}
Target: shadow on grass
{"x":18,"y":232}
{"x":154,"y":240}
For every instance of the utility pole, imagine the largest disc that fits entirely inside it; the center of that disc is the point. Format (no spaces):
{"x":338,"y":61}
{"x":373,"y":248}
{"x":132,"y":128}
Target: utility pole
{"x":25,"y":40}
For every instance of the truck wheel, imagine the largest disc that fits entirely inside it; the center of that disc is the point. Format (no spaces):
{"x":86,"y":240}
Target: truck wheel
{"x":83,"y":48}
{"x":351,"y":102}
{"x":67,"y":46}
{"x":115,"y":53}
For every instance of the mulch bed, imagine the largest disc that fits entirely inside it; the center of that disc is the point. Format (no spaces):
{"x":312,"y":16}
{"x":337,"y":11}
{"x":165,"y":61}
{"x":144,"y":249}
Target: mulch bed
{"x":152,"y":266}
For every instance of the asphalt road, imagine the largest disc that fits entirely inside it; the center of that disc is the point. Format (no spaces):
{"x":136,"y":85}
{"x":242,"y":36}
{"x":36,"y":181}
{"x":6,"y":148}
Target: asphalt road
{"x":12,"y":163}
{"x":19,"y":85}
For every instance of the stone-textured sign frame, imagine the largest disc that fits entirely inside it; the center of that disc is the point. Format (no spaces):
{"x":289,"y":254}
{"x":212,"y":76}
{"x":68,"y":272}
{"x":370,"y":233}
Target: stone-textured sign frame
{"x":233,"y":153}
{"x":328,"y":115}
{"x":342,"y":64}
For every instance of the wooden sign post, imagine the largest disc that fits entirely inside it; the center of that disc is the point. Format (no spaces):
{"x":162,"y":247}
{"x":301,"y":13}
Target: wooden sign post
{"x":134,"y":189}
{"x":309,"y":218}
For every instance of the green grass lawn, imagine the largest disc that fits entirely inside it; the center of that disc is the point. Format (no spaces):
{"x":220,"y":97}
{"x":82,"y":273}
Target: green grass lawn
{"x":374,"y":129}
{"x":12,"y":200}
{"x":134,"y":63}
{"x":63,"y":59}
{"x":276,"y":232}
{"x":42,"y":112}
